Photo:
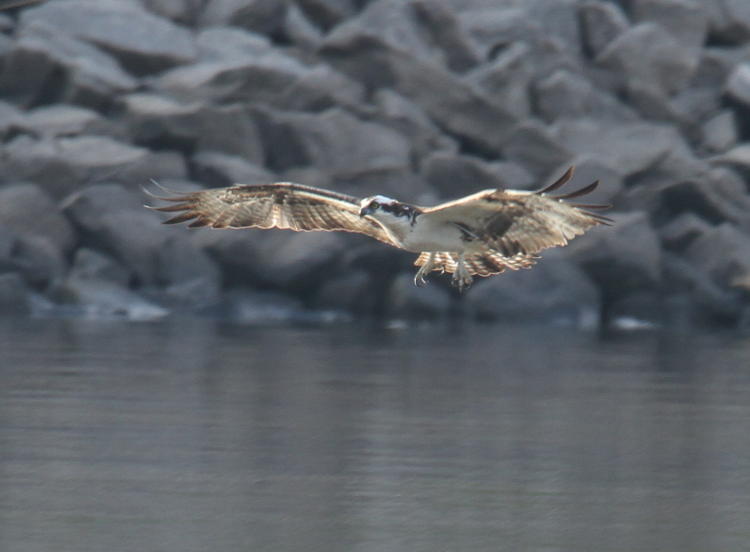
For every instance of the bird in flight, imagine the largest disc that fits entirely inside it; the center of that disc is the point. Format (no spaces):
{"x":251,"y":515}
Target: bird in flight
{"x":478,"y":235}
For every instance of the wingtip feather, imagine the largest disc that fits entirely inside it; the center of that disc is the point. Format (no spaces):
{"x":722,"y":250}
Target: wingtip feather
{"x":567,"y":175}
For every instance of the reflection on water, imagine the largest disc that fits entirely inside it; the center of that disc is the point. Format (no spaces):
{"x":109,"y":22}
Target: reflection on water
{"x":194,"y":435}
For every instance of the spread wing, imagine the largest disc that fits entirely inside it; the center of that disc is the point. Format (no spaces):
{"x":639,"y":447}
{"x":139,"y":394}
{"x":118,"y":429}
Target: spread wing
{"x":483,"y":264}
{"x":281,"y":205}
{"x":515,"y":222}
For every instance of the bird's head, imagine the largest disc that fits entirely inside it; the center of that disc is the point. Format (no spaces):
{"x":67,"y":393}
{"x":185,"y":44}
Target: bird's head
{"x":375,"y":205}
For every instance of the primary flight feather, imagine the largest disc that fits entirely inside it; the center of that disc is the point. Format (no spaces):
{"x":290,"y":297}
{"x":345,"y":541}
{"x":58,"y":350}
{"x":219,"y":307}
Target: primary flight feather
{"x":481,"y":234}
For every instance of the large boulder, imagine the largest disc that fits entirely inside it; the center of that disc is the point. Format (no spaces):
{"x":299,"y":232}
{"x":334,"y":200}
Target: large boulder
{"x":28,"y":211}
{"x":723,"y":252}
{"x":729,"y":20}
{"x":113,"y":219}
{"x":507,"y":78}
{"x":453,"y":175}
{"x":154,"y":119}
{"x":601,"y":23}
{"x":143,"y":42}
{"x":65,"y":70}
{"x":555,"y":291}
{"x":261,"y":16}
{"x":628,"y":147}
{"x":533,"y":146}
{"x":685,"y":20}
{"x":216,"y":169}
{"x":646,"y":55}
{"x":380,"y":48}
{"x":564,"y":94}
{"x":237,"y":66}
{"x":335,"y":141}
{"x":61,"y":166}
{"x":410,"y":121}
{"x":621,"y":259}
{"x":65,"y":120}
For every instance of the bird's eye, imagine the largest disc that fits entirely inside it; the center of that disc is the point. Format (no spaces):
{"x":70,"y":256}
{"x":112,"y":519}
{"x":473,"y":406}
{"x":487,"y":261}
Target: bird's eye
{"x":374,"y":204}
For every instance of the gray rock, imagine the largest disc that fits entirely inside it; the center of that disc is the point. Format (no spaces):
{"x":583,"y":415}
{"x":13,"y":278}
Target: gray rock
{"x":187,"y":275}
{"x":686,"y":20}
{"x":251,"y":72}
{"x":715,"y":195}
{"x":230,"y":43}
{"x":267,"y":308}
{"x":261,"y":16}
{"x":447,"y":33}
{"x":737,"y":157}
{"x":601,"y":23}
{"x":453,"y":175}
{"x":411,"y":122}
{"x":63,"y":165}
{"x":11,"y":119}
{"x":328,"y":13}
{"x":65,"y":120}
{"x":628,"y":148}
{"x":555,"y":291}
{"x":295,"y":262}
{"x":723,"y":252}
{"x":704,"y":302}
{"x":90,"y":264}
{"x":97,"y":299}
{"x":300,"y":30}
{"x":565,"y":94}
{"x":15,"y":297}
{"x":65,"y":70}
{"x":729,"y":20}
{"x":404,"y":300}
{"x":143,"y":42}
{"x":682,"y":230}
{"x":347,"y":291}
{"x":719,"y":133}
{"x":216,"y":169}
{"x":392,"y":25}
{"x":532,"y":146}
{"x":507,"y":78}
{"x":620,"y":259}
{"x":362,"y":52}
{"x":184,"y":12}
{"x":7,"y":23}
{"x":646,"y":54}
{"x":157,"y":120}
{"x":28,"y":211}
{"x":495,"y":27}
{"x":39,"y":260}
{"x":335,"y":141}
{"x":738,"y":85}
{"x":112,"y":219}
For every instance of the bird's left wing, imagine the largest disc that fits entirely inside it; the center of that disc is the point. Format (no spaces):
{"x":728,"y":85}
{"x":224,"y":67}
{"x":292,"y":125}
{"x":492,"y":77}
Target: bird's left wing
{"x":515,"y":222}
{"x":281,"y":205}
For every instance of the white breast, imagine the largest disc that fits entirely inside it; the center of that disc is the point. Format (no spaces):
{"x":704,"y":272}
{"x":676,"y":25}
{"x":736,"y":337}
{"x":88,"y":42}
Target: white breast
{"x":428,"y":234}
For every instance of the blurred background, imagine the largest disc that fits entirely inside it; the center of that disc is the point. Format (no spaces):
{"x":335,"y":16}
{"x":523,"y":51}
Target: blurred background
{"x":172,"y":389}
{"x":422,"y":100}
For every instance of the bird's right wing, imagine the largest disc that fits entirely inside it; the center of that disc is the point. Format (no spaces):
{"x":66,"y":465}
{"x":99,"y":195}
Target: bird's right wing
{"x":281,"y":205}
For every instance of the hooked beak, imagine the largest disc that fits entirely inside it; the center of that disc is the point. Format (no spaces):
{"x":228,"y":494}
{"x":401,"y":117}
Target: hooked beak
{"x":365,"y":211}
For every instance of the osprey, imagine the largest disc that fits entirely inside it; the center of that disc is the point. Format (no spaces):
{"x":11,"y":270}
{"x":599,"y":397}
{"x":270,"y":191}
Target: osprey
{"x":478,"y":235}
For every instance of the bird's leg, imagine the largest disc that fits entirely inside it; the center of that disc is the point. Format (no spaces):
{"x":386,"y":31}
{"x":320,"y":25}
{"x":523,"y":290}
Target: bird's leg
{"x":424,"y":270}
{"x":462,"y":278}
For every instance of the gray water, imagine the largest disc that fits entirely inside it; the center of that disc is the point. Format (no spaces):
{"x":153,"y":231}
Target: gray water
{"x":194,"y":435}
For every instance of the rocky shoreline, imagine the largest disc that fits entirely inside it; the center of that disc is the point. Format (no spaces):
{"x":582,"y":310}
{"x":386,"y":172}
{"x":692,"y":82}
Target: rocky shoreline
{"x":423,"y":100}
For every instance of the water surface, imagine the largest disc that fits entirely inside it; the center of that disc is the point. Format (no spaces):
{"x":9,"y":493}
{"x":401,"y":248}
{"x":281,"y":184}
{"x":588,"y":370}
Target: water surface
{"x":194,"y":435}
